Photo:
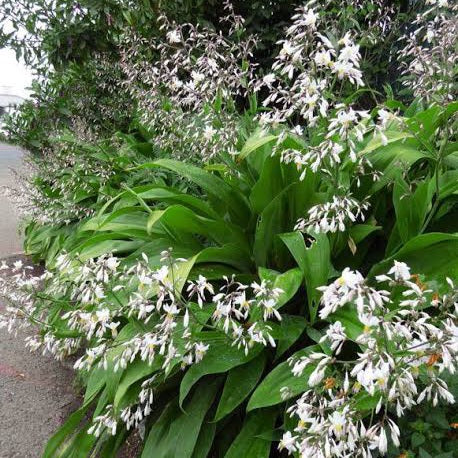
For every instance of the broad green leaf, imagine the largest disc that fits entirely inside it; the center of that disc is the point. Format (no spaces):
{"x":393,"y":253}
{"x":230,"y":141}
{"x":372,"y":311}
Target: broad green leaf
{"x":268,"y":392}
{"x":204,"y":441}
{"x":134,"y":372}
{"x":269,"y":185}
{"x":96,"y":247}
{"x":434,"y":254}
{"x":411,"y":208}
{"x":289,"y":282}
{"x":170,"y":195}
{"x":211,"y":184}
{"x":390,"y":158}
{"x":359,"y":232}
{"x":95,"y":383}
{"x":256,"y":141}
{"x":220,"y":357}
{"x":248,"y":444}
{"x":377,"y":142}
{"x":448,"y":184}
{"x":272,"y":221}
{"x":364,"y":402}
{"x":176,"y":433}
{"x":314,"y":262}
{"x":131,"y":218}
{"x":291,"y":328}
{"x":179,"y":219}
{"x":239,"y":383}
{"x":229,"y":254}
{"x":70,"y":425}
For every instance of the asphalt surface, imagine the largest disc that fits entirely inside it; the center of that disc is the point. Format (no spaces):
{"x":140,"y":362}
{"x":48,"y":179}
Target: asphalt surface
{"x":10,"y":241}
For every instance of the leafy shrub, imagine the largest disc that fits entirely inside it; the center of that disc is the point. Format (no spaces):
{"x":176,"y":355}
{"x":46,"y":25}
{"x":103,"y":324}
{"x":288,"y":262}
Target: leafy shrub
{"x":290,"y":292}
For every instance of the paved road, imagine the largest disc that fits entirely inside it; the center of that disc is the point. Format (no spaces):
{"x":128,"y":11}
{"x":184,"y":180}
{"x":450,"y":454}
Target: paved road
{"x":10,"y":241}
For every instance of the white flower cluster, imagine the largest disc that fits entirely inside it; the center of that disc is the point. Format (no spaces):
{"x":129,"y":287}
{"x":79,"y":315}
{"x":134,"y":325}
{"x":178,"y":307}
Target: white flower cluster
{"x":302,"y":86}
{"x":409,"y":341}
{"x":429,"y":56}
{"x":53,"y":186}
{"x":332,"y":216}
{"x":187,"y":95}
{"x":234,"y":312}
{"x":95,"y":296}
{"x":306,"y":68}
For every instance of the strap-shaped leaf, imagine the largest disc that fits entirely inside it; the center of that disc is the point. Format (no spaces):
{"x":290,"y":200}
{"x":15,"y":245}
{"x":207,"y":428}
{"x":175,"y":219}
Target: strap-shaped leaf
{"x":314,"y":261}
{"x":221,"y":357}
{"x":249,"y":444}
{"x":239,"y":383}
{"x":176,"y":433}
{"x":268,"y":392}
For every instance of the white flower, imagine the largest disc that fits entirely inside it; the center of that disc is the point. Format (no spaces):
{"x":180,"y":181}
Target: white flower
{"x":209,"y":132}
{"x":400,"y":270}
{"x":338,"y":422}
{"x":323,"y":58}
{"x":336,"y":335}
{"x":288,"y":442}
{"x":269,"y":79}
{"x":310,"y":18}
{"x":173,"y":36}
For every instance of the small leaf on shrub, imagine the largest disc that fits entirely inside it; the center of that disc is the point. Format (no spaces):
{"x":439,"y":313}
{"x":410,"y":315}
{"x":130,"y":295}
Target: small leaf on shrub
{"x":417,"y":439}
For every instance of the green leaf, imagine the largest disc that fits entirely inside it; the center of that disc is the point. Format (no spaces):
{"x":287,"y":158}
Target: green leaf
{"x":359,"y":232}
{"x":204,"y":441}
{"x":365,"y":402}
{"x":71,"y":424}
{"x":289,"y":282}
{"x":247,"y":444}
{"x":389,"y":159}
{"x":240,"y":382}
{"x":269,"y":185}
{"x":411,"y":208}
{"x":291,"y":328}
{"x":221,"y":357}
{"x":176,"y":433}
{"x":211,"y":184}
{"x":170,"y":195}
{"x":268,"y":392}
{"x":422,"y":453}
{"x":348,"y":316}
{"x":179,"y":219}
{"x":229,"y":254}
{"x":376,"y":141}
{"x":256,"y":141}
{"x":417,"y":439}
{"x":271,"y":222}
{"x":434,"y":254}
{"x":313,"y":261}
{"x":134,"y":372}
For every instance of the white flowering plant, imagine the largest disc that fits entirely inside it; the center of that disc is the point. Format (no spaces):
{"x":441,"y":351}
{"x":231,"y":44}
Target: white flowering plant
{"x":288,"y":286}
